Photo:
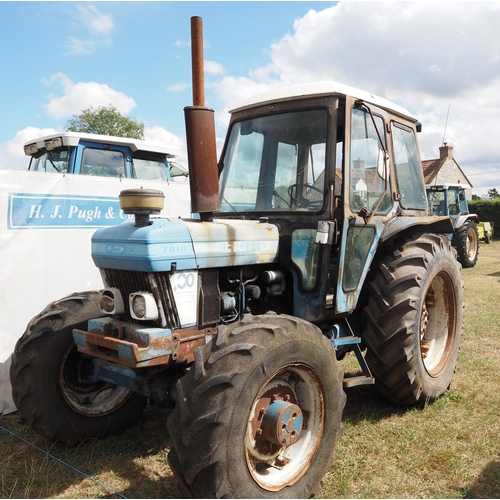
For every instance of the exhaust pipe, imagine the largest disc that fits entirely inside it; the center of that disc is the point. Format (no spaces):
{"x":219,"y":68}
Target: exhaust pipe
{"x":200,"y":135}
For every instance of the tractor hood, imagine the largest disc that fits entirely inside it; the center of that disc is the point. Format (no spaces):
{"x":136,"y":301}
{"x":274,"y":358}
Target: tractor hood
{"x":179,"y":244}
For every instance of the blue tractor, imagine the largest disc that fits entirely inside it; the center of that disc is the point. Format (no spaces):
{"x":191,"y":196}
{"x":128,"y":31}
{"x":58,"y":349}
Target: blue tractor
{"x":451,"y":200}
{"x":313,"y":243}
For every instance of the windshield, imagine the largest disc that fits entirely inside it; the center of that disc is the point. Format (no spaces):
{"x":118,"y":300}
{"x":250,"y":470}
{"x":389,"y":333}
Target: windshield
{"x":437,"y":202}
{"x":56,"y":160}
{"x":275,"y":163}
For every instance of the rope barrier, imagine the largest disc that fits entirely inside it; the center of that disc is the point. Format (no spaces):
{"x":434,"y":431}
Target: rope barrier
{"x":64,"y":463}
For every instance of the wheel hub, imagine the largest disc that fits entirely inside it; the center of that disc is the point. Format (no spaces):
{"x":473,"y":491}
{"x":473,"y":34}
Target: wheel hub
{"x":282,"y":423}
{"x":285,"y":427}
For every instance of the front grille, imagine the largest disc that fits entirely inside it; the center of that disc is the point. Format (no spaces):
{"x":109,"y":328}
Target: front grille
{"x":156,"y":283}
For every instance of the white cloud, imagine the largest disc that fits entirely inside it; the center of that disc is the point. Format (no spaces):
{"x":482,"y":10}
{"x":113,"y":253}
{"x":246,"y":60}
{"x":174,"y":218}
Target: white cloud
{"x":423,"y":56}
{"x":78,"y":46}
{"x":97,"y":22}
{"x":82,"y":95}
{"x":97,"y":28}
{"x":178,"y":87}
{"x":159,"y":135}
{"x":214,"y":68}
{"x":12,"y":153}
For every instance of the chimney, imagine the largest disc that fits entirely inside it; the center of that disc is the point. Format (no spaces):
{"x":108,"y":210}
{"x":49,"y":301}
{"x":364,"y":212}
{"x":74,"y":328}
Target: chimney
{"x":445,"y":151}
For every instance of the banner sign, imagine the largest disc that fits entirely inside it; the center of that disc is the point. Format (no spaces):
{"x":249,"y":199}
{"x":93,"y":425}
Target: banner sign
{"x":48,"y":211}
{"x":46,"y":225}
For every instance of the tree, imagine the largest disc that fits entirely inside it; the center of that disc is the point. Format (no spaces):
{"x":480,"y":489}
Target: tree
{"x":493,"y":193}
{"x":105,"y":121}
{"x":476,"y":197}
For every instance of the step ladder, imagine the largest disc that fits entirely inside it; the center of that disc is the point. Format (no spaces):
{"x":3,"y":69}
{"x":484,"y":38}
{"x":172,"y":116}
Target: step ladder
{"x":338,"y":341}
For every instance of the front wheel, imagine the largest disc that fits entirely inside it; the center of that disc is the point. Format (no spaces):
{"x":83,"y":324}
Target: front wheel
{"x":49,"y":380}
{"x":414,"y":320}
{"x":259,"y":413}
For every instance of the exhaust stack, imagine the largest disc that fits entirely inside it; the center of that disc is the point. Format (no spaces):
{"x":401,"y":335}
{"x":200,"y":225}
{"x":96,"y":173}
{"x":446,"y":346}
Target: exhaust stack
{"x":200,"y":135}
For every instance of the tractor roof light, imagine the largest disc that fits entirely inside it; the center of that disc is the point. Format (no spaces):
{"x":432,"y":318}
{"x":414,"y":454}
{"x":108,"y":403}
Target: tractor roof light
{"x":30,"y":149}
{"x":57,"y":142}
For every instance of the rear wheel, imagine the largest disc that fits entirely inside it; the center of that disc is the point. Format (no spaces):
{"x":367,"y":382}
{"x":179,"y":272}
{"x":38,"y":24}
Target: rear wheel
{"x":259,"y":413}
{"x":49,"y":380}
{"x":466,"y":241}
{"x":414,"y":320}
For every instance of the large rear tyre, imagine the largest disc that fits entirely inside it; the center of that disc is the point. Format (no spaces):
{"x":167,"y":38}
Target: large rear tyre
{"x":466,"y":241}
{"x":414,"y":320}
{"x":49,"y":383}
{"x":259,"y":413}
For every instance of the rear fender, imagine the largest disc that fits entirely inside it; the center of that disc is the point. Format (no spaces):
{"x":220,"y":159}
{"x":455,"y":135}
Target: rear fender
{"x":462,"y":219}
{"x":427,"y":224}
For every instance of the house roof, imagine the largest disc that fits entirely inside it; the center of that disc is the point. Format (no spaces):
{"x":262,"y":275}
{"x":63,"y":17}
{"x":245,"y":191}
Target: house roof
{"x":431,"y":168}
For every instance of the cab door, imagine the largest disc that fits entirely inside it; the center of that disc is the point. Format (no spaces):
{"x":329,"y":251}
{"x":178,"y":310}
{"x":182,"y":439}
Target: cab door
{"x":367,"y":199}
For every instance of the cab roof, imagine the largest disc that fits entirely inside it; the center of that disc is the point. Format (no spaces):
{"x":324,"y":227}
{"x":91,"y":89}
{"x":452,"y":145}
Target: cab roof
{"x":74,"y":138}
{"x":321,"y":89}
{"x":446,"y":185}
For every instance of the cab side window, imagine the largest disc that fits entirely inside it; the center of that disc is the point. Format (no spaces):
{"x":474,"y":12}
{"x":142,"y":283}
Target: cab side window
{"x":103,"y":162}
{"x":366,"y":185}
{"x":408,"y":170}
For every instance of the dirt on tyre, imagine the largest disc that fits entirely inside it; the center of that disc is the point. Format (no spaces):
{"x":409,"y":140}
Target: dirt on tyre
{"x":466,"y":241}
{"x":414,"y":320}
{"x":49,"y":380}
{"x":259,"y":413}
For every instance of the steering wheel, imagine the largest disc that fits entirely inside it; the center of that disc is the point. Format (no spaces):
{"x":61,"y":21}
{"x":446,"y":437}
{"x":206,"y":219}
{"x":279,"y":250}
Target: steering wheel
{"x":315,"y":204}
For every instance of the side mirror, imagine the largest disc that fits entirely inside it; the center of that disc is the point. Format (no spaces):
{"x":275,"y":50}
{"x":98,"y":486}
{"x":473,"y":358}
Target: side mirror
{"x":461,"y":195}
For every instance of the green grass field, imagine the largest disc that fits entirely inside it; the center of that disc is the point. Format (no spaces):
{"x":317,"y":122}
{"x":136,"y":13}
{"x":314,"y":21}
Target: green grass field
{"x":450,"y":449}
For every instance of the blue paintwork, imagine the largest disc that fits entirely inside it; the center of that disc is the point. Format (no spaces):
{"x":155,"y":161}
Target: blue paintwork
{"x":138,"y":346}
{"x":153,"y":248}
{"x":119,"y":375}
{"x":278,"y":424}
{"x":187,"y":244}
{"x":346,"y":341}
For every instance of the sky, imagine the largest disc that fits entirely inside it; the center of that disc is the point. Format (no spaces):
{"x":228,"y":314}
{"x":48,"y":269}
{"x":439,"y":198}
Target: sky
{"x":439,"y":60}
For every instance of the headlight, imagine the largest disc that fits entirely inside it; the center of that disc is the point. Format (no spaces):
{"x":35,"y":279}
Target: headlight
{"x":143,"y":306}
{"x":111,"y":301}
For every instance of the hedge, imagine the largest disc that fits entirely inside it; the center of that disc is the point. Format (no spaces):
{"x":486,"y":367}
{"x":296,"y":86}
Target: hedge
{"x":488,"y":211}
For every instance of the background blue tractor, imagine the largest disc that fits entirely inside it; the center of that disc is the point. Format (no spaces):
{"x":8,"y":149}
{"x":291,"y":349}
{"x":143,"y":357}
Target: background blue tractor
{"x":451,"y":200}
